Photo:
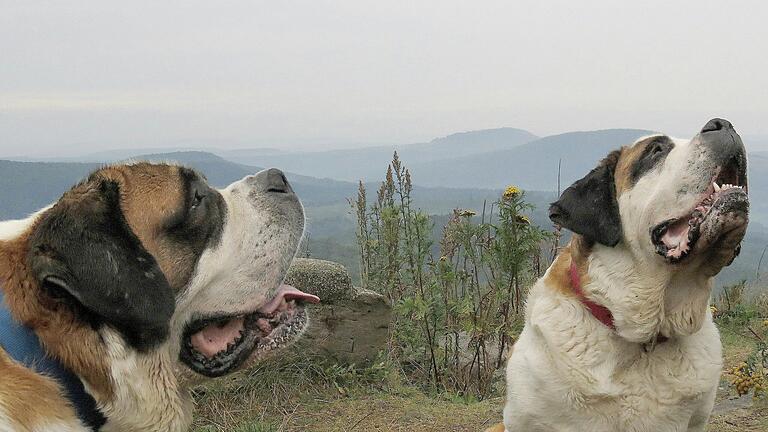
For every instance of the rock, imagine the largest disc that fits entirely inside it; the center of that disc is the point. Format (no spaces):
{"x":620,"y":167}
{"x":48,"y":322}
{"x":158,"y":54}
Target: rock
{"x":350,"y":331}
{"x":326,"y":279}
{"x":350,"y":325}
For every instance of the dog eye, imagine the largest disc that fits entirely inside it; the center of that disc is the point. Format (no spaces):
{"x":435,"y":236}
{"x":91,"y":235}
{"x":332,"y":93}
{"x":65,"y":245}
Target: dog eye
{"x":657,"y":149}
{"x":197,"y":200}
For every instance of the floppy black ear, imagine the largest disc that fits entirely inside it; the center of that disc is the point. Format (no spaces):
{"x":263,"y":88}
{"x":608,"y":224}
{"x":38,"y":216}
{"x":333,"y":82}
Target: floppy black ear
{"x":589,"y":206}
{"x":83,"y":251}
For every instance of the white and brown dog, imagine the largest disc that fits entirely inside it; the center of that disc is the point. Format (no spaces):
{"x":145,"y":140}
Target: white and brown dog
{"x":137,"y":278}
{"x":618,"y":333}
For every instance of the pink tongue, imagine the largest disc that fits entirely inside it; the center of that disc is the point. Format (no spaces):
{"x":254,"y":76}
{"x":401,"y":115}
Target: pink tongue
{"x":676,"y":238}
{"x":215,"y":337}
{"x":287,"y":292}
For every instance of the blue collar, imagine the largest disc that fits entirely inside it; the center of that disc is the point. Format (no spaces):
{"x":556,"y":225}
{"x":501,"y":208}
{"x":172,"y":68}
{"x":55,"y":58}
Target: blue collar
{"x":22,"y":345}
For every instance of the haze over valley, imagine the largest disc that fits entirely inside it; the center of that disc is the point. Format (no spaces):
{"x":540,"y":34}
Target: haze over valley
{"x":462,"y":170}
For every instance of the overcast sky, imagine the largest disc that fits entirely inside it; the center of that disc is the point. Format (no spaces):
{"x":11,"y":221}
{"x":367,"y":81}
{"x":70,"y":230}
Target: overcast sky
{"x":91,"y":75}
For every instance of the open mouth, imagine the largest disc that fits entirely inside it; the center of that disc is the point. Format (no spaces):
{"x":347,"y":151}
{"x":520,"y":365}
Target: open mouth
{"x":675,"y":239}
{"x":217,"y":345}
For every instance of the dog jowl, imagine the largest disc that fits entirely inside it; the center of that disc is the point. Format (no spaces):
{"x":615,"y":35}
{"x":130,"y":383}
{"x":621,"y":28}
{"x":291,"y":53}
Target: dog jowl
{"x":618,"y":333}
{"x":143,"y":279}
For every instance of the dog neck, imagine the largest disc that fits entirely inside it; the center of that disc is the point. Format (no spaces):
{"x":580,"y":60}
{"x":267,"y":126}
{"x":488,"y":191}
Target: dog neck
{"x":600,"y":312}
{"x":644,"y":302}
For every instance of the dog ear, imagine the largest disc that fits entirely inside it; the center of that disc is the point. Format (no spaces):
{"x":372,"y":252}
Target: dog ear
{"x":83,"y":251}
{"x":589,"y":206}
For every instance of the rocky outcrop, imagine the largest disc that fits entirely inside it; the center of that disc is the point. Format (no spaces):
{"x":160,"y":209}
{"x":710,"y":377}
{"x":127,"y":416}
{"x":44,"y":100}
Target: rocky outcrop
{"x":326,"y":279}
{"x":351,"y":325}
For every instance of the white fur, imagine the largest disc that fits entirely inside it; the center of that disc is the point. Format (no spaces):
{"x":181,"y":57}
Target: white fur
{"x":569,"y":372}
{"x":147,"y":394}
{"x":247,"y":266}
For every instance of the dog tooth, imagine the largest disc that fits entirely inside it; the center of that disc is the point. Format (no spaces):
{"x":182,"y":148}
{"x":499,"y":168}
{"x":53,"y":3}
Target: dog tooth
{"x":717,"y":188}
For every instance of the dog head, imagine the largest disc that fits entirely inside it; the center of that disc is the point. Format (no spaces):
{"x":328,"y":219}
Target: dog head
{"x":234,"y":310}
{"x":659,"y":218}
{"x":143,"y":270}
{"x":680,"y":202}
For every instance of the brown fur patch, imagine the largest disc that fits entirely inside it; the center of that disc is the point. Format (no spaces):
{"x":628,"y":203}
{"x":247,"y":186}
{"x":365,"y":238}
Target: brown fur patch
{"x":559,"y":275}
{"x":30,"y":399}
{"x":151,"y":194}
{"x":629,"y":155}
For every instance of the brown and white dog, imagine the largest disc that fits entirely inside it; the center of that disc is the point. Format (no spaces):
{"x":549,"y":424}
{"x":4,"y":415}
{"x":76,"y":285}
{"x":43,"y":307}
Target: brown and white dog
{"x":141,"y":275}
{"x":618,"y":334}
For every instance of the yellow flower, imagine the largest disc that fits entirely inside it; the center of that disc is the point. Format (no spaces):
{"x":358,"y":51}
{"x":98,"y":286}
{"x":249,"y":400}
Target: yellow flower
{"x":765,"y":323}
{"x":713,"y":309}
{"x":511,"y":192}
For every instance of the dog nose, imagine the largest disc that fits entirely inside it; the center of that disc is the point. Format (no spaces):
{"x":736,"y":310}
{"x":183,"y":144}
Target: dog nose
{"x":276,"y":182}
{"x":717,"y":124}
{"x":723,"y":144}
{"x":272,"y":180}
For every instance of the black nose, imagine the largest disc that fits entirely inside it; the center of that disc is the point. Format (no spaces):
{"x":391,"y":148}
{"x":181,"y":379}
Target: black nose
{"x":717,"y":124}
{"x":276,"y":181}
{"x":272,"y":180}
{"x":725,"y":148}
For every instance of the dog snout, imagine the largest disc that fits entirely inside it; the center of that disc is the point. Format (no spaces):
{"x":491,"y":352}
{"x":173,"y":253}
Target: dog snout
{"x":723,"y":143}
{"x":271,"y":181}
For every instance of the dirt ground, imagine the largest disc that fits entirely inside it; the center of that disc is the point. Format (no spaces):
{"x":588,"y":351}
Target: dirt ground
{"x":376,"y":411}
{"x":292,"y":399}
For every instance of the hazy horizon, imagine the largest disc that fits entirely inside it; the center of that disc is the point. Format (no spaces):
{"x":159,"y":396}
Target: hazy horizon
{"x":94,"y":76}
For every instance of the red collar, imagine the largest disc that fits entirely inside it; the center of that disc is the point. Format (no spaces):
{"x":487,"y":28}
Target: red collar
{"x":602,"y":313}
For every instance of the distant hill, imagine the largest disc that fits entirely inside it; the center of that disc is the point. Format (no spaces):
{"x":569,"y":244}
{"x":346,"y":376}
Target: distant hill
{"x":104,"y":156}
{"x":466,"y":143}
{"x":370,"y":163}
{"x":532,"y":165}
{"x":249,"y":154}
{"x":28,"y":186}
